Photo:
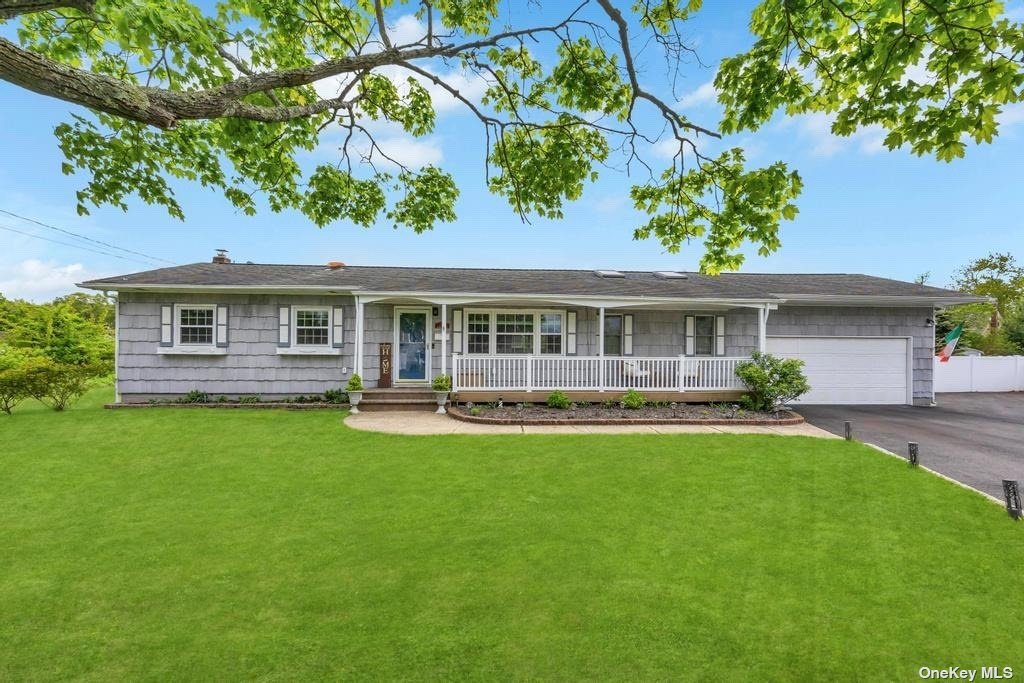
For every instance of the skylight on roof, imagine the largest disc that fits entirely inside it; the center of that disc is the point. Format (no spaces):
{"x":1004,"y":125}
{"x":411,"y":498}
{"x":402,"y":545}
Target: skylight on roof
{"x":609,"y":273}
{"x":670,"y":274}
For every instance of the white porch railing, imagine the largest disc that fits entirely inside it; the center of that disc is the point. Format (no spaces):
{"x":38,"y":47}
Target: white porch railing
{"x":593,"y":373}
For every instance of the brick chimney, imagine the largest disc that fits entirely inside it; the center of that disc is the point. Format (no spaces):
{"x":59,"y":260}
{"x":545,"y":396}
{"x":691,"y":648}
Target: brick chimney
{"x":221,"y":256}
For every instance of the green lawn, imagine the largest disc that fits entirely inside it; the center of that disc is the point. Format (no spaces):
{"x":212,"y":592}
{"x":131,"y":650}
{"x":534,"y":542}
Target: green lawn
{"x":173,"y":544}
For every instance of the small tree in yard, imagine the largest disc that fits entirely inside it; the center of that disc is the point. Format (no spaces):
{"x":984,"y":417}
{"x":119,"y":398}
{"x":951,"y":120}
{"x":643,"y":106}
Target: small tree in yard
{"x":58,"y":384}
{"x":772,"y":381}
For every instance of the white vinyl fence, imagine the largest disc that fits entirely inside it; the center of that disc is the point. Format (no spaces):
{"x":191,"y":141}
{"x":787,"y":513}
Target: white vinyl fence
{"x":980,"y":373}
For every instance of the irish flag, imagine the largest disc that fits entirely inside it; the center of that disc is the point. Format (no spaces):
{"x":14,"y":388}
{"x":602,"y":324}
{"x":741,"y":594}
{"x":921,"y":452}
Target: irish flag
{"x":951,"y":339}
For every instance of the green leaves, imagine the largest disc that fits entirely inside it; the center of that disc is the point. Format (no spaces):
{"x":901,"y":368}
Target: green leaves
{"x":721,"y":202}
{"x":248,"y":93}
{"x":333,"y":193}
{"x":933,"y":74}
{"x":542,"y":166}
{"x":587,"y":79}
{"x":430,"y":197}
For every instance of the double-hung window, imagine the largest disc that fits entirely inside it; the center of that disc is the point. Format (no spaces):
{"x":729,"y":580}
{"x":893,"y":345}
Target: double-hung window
{"x":551,"y":333}
{"x":196,"y":325}
{"x":513,"y":332}
{"x":478,"y":333}
{"x":704,"y":335}
{"x":613,"y":335}
{"x":312,"y":326}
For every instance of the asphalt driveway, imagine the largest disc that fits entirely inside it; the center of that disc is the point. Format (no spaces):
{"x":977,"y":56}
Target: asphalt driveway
{"x":977,"y":439}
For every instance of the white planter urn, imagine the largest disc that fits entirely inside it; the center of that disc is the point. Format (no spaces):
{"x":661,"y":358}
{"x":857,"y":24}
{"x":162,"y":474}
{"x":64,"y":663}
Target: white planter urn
{"x":354,"y":397}
{"x":442,"y":398}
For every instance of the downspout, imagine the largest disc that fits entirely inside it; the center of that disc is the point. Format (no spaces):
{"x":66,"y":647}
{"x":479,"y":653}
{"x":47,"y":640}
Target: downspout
{"x":117,"y":344}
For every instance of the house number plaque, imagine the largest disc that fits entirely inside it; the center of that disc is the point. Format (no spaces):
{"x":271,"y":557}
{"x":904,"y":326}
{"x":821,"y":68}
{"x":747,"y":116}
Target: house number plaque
{"x":385,"y":366}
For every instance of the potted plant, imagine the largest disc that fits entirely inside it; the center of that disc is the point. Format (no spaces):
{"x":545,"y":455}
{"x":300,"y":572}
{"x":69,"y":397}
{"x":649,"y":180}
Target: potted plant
{"x":354,"y":388}
{"x":442,"y":386}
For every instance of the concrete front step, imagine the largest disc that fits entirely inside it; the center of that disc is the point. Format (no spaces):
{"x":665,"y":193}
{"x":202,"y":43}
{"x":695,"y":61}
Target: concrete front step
{"x":398,"y":398}
{"x":372,"y":406}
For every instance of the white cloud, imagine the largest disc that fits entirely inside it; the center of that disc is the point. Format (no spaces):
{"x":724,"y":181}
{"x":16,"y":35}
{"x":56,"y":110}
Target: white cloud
{"x":705,"y":94}
{"x":40,"y":280}
{"x":610,"y":203}
{"x":817,"y":130}
{"x":666,"y":148}
{"x":410,"y":151}
{"x":406,"y":30}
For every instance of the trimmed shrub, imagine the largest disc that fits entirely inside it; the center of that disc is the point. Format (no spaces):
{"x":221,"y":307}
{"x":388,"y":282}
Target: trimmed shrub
{"x":355,"y":383}
{"x":59,"y":384}
{"x":634,"y":400}
{"x":558,"y":399}
{"x":772,"y":381}
{"x":335,"y":396}
{"x":442,"y":383}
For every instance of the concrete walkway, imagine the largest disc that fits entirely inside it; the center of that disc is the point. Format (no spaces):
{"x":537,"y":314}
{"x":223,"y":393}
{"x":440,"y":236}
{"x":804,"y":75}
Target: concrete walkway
{"x":431,"y":423}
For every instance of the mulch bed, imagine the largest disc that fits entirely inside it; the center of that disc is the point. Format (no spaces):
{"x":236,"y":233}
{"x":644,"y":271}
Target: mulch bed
{"x":690,"y":414}
{"x":257,"y":406}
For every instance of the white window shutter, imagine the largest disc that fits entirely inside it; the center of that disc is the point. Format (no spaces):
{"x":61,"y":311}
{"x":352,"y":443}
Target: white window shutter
{"x":284,"y":326}
{"x":570,"y":333}
{"x":457,"y":331}
{"x":337,"y":330}
{"x":690,"y":343}
{"x":720,"y":335}
{"x":222,"y":325}
{"x":627,"y":335}
{"x":166,"y":326}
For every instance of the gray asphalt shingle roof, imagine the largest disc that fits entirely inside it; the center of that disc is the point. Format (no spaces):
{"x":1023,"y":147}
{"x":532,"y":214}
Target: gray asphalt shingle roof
{"x":520,"y":281}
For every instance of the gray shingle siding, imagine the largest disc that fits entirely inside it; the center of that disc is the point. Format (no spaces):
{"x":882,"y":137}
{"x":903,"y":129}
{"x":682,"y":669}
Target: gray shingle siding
{"x":252,"y":365}
{"x":865,"y":322}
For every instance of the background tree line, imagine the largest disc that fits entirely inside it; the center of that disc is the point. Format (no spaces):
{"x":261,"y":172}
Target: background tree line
{"x":54,"y":351}
{"x":996,"y":328}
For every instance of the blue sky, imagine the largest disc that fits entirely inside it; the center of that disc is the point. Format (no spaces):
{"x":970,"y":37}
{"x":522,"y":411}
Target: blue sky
{"x":863,"y":209}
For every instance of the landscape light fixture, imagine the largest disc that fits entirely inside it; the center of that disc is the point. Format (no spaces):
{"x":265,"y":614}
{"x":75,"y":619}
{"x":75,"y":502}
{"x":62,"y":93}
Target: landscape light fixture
{"x":1011,"y":492}
{"x":912,"y":453}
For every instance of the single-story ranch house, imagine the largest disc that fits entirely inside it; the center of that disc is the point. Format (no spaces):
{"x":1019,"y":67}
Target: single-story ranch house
{"x":277,"y":331}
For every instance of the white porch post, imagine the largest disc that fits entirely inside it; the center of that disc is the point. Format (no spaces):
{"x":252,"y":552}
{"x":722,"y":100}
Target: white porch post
{"x":359,"y":337}
{"x":444,"y":339}
{"x":600,"y":347}
{"x":762,"y":329}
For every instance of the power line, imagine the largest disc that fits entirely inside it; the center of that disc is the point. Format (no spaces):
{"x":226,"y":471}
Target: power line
{"x":70,"y":244}
{"x":83,"y":237}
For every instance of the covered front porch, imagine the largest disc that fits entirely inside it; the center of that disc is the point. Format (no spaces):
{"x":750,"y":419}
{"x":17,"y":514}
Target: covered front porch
{"x":523,"y":347}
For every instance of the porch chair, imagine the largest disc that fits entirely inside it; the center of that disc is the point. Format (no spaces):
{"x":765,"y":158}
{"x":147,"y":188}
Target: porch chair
{"x":631,"y":370}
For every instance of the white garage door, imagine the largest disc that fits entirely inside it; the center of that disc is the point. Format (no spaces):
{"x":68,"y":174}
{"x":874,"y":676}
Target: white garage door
{"x":849,"y":370}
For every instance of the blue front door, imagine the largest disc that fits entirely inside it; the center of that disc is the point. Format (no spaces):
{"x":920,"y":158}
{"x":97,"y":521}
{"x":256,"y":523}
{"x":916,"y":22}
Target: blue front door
{"x":412,"y":345}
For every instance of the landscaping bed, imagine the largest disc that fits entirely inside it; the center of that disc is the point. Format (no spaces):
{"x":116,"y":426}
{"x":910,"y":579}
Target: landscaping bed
{"x":599,"y":414}
{"x":288,"y":405}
